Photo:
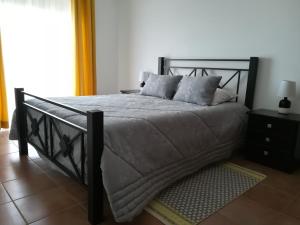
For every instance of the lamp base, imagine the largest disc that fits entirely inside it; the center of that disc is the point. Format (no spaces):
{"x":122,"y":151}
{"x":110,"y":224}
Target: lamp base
{"x":142,"y":84}
{"x":284,"y":110}
{"x":284,"y":106}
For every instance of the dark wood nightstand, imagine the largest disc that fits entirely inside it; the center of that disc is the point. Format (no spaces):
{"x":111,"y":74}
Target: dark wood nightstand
{"x":132,"y":91}
{"x":273,"y":139}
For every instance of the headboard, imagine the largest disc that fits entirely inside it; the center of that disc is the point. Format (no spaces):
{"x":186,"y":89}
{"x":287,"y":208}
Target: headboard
{"x":169,"y":66}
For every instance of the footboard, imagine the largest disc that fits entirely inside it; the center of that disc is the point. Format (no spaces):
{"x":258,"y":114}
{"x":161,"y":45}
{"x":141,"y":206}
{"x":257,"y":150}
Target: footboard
{"x":45,"y":134}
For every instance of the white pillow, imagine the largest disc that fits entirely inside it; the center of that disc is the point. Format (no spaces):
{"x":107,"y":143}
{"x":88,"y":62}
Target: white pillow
{"x":222,"y":95}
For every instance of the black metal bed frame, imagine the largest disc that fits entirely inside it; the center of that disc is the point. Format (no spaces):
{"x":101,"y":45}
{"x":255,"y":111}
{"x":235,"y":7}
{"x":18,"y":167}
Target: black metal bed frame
{"x":92,"y":150}
{"x":94,"y":133}
{"x":165,"y":68}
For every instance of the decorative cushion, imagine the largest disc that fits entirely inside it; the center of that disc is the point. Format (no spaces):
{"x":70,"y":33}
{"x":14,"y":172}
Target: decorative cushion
{"x":198,"y":90}
{"x":162,"y":86}
{"x":223,"y":95}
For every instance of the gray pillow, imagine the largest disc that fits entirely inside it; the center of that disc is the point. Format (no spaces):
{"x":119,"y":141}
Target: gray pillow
{"x":198,"y":90}
{"x":162,"y":86}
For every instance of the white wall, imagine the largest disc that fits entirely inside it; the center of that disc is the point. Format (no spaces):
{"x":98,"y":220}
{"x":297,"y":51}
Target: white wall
{"x":106,"y":46}
{"x":269,"y":29}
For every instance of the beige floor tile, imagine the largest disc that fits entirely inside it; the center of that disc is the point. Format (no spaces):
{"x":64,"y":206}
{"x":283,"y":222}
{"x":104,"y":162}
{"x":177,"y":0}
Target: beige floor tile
{"x":13,"y":159}
{"x":294,"y":208}
{"x":23,"y":187}
{"x":145,"y":219}
{"x":38,"y":206}
{"x":9,"y":215}
{"x":4,"y":136}
{"x":76,"y":190}
{"x":42,"y":164}
{"x":217,"y":219}
{"x":72,"y":216}
{"x":3,"y":195}
{"x":23,"y":170}
{"x":270,"y":197}
{"x":282,"y":219}
{"x":6,"y":148}
{"x":244,"y":211}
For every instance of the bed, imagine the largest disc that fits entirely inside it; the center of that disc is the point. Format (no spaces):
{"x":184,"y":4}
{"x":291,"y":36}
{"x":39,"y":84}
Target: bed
{"x":129,"y":146}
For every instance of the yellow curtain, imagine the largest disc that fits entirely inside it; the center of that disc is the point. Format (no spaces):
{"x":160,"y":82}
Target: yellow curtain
{"x":3,"y":98}
{"x":85,"y":70}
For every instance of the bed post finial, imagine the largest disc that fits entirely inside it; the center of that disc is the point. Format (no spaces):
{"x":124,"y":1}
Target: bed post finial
{"x":94,"y":153}
{"x":253,"y":65}
{"x":21,"y":121}
{"x":161,"y":66}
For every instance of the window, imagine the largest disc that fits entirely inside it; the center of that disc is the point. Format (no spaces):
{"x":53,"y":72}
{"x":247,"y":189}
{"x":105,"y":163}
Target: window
{"x":38,"y":47}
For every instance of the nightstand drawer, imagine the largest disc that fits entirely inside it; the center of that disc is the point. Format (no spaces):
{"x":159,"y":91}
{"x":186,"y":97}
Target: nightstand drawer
{"x":270,"y":157}
{"x":271,"y":125}
{"x":274,"y":141}
{"x":261,"y":151}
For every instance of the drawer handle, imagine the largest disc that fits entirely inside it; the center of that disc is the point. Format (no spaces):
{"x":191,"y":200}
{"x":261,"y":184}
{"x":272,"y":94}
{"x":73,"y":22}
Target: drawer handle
{"x":269,"y":125}
{"x":266,"y":153}
{"x":268,"y":140}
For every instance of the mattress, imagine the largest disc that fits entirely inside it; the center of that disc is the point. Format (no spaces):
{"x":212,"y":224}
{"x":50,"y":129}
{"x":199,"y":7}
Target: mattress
{"x":149,"y":142}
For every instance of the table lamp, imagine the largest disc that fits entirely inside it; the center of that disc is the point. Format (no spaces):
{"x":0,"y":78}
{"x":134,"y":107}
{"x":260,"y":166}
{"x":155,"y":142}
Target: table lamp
{"x":143,"y":77}
{"x":286,"y":89}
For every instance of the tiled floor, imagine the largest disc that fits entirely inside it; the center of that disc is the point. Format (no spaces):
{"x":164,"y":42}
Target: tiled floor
{"x":32,"y":193}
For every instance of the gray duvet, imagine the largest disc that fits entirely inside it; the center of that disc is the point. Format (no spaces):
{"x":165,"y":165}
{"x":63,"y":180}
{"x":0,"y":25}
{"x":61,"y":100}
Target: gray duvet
{"x":152,"y":142}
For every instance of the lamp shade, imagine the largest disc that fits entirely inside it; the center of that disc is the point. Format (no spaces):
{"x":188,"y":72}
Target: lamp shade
{"x":287,"y":88}
{"x":144,"y":76}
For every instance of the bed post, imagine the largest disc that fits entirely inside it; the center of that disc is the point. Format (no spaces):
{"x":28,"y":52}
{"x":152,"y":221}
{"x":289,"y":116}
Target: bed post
{"x":21,"y":121}
{"x":94,"y":153}
{"x":161,"y":66}
{"x":253,"y":65}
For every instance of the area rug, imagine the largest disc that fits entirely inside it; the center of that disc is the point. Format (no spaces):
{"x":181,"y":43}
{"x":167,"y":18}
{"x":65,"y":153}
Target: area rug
{"x":195,"y":197}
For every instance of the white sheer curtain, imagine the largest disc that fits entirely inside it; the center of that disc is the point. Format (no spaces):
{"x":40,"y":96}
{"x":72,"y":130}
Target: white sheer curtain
{"x":37,"y":40}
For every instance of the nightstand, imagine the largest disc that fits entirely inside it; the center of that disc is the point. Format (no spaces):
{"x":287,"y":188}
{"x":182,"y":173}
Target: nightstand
{"x":273,"y":139}
{"x":132,"y":91}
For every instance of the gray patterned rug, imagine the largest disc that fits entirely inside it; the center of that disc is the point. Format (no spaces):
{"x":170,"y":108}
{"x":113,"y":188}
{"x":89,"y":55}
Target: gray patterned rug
{"x":194,"y":198}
